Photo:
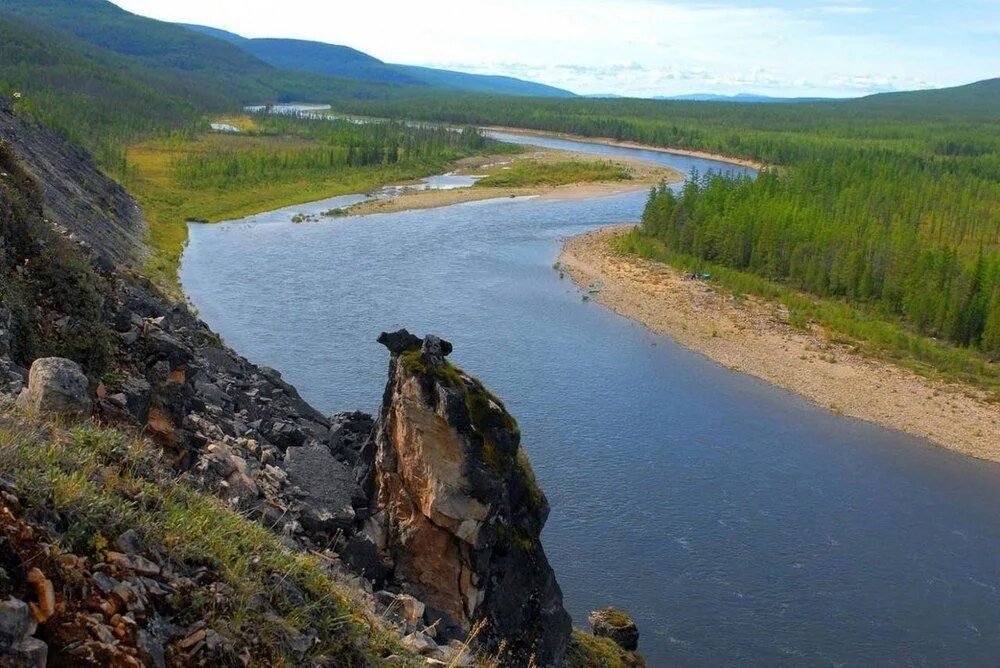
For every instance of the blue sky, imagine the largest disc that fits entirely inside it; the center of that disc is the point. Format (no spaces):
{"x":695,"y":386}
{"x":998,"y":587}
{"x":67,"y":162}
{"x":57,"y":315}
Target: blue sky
{"x":645,"y":47}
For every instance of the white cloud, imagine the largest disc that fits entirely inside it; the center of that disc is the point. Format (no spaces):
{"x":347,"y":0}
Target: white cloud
{"x":641,"y":47}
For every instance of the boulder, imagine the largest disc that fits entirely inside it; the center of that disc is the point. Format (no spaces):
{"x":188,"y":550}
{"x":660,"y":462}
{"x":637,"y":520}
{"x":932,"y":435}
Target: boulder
{"x":418,"y":643}
{"x":408,"y":609}
{"x":56,"y":386}
{"x":435,"y":349}
{"x":400,"y":342}
{"x":615,"y":625}
{"x":331,"y":490}
{"x":16,"y":620}
{"x":11,"y":377}
{"x":18,"y":648}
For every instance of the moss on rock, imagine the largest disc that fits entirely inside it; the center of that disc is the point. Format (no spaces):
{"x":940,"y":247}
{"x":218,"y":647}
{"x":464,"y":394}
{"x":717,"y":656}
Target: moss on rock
{"x":588,"y":651}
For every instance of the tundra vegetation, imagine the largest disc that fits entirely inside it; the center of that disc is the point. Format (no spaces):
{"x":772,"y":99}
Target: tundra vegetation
{"x":564,"y":172}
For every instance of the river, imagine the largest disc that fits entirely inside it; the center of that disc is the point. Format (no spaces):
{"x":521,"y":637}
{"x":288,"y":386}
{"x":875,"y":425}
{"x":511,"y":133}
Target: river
{"x":738,"y":523}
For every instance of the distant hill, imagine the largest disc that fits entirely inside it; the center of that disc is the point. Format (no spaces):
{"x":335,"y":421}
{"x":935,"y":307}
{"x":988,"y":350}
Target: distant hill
{"x":88,"y":92}
{"x":205,"y":66}
{"x":315,"y":57}
{"x":740,"y":98}
{"x":104,"y":77}
{"x":343,"y":61}
{"x":979,"y":100}
{"x":483,"y":83}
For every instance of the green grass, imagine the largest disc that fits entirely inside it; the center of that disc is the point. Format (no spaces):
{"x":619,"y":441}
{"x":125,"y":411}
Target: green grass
{"x":588,"y":651}
{"x":527,"y":173}
{"x":104,"y":482}
{"x":872,"y":333}
{"x":215,"y":177}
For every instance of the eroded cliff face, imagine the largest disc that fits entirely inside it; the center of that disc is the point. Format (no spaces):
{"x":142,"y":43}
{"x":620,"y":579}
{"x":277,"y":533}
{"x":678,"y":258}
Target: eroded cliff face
{"x":79,"y":201}
{"x":463,"y":513}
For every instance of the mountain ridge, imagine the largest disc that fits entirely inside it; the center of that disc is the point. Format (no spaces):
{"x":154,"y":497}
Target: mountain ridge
{"x":344,"y":61}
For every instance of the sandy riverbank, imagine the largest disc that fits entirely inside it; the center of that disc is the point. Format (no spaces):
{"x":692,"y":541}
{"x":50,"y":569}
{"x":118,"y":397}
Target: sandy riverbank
{"x":608,"y":141}
{"x":644,"y":175}
{"x":751,"y":336}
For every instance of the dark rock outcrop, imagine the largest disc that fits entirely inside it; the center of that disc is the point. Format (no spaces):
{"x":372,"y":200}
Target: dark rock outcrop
{"x":85,"y":205}
{"x":463,"y":513}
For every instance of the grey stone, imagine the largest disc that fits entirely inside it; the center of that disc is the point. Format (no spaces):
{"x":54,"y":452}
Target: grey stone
{"x":435,"y":349}
{"x":56,"y":386}
{"x":27,"y":653}
{"x":332,"y":492}
{"x":151,"y":650}
{"x":399,"y":342}
{"x":419,"y":644}
{"x":16,"y":620}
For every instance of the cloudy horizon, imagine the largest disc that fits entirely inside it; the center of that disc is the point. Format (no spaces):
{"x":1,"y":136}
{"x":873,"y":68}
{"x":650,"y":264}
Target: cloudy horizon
{"x":645,"y":48}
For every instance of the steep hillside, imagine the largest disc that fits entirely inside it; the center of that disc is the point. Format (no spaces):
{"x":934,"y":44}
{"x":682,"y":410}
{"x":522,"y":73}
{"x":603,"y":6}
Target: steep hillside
{"x":95,"y":97}
{"x":207,"y":67}
{"x":98,"y":213}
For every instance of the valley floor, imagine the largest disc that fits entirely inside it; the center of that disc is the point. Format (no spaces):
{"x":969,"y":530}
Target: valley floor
{"x":534,"y":163}
{"x":608,"y":141}
{"x":752,"y":336}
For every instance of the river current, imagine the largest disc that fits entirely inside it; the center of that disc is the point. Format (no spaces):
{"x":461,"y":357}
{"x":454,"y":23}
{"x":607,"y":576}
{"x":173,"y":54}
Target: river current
{"x":738,"y":523}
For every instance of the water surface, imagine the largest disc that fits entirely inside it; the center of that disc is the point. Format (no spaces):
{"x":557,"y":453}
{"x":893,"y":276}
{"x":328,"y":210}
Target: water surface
{"x":738,"y":523}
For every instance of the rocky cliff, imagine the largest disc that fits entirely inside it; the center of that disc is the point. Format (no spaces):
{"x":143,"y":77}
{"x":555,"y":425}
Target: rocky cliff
{"x":78,"y":199}
{"x":462,"y":511}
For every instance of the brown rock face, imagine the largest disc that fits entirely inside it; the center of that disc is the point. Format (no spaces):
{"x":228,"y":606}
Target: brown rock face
{"x":463,"y":510}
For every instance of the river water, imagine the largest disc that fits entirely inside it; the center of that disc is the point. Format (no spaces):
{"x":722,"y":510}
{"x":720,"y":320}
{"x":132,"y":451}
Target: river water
{"x":739,"y":524}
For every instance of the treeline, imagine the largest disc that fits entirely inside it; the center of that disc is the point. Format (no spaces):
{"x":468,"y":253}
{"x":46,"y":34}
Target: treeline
{"x":94,"y":100}
{"x":819,"y":231}
{"x":325,"y":146}
{"x":890,"y":202}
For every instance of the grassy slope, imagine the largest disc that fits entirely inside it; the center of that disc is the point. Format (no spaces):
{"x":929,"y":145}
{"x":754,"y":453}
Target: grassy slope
{"x":104,"y":482}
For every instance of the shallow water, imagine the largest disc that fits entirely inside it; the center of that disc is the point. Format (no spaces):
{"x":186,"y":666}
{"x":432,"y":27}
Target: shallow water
{"x":738,"y":523}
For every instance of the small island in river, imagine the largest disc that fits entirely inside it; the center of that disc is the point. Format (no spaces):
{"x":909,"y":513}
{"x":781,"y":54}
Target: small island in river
{"x":538,"y":172}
